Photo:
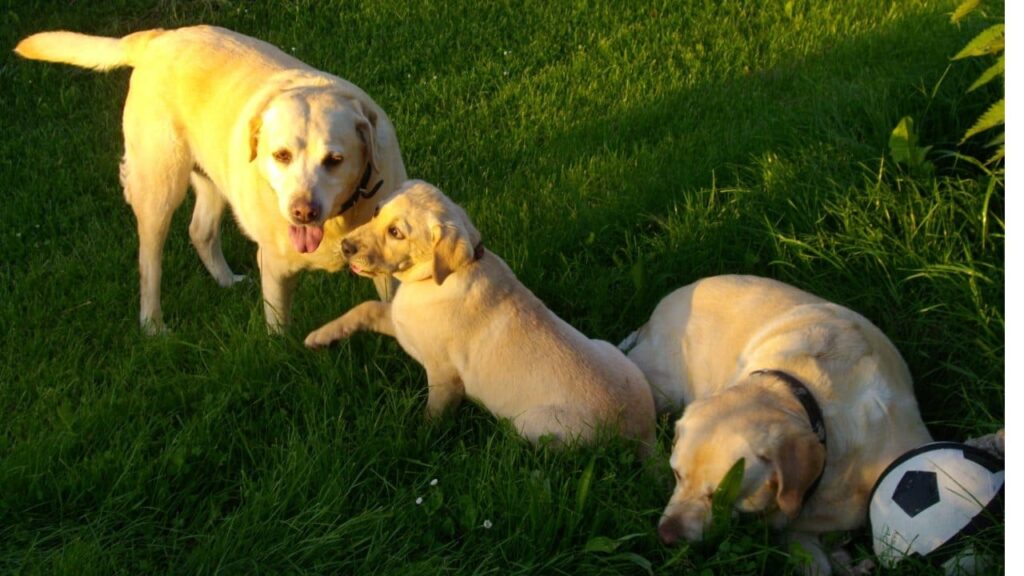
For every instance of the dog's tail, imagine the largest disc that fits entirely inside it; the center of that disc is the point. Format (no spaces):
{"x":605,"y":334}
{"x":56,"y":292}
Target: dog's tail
{"x":96,"y":52}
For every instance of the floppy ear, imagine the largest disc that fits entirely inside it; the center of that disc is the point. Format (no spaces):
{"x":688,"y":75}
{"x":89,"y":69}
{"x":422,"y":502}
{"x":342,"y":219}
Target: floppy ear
{"x":254,"y":135}
{"x":798,"y":462}
{"x":367,"y":127}
{"x":452,"y":250}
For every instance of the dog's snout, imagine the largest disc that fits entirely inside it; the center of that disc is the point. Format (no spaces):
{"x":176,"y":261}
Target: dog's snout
{"x":348,"y":248}
{"x":305,"y":212}
{"x":669,"y":530}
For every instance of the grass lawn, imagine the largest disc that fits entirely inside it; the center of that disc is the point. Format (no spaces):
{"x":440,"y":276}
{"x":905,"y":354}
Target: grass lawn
{"x":609,"y":151}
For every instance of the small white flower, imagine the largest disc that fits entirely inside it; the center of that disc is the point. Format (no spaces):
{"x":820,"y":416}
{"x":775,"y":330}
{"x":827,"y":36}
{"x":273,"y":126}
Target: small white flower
{"x":487,"y":524}
{"x":433,"y":482}
{"x":419,"y":500}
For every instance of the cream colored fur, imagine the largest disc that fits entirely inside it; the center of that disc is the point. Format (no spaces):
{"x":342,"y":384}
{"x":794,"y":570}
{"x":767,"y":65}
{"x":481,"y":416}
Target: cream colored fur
{"x":480,"y":333}
{"x":699,"y":349}
{"x":253,"y":128}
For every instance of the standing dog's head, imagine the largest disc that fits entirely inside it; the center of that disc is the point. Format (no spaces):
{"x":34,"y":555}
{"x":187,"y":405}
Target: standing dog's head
{"x":312,"y":145}
{"x":416,"y":234}
{"x":782,"y":458}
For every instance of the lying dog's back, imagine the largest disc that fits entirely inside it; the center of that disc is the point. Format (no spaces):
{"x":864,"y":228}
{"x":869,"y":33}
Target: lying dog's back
{"x":691,"y":345}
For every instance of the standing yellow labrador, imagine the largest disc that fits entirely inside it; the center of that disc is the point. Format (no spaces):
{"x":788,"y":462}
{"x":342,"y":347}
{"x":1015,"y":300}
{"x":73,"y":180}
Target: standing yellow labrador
{"x":480,"y":333}
{"x":291,"y":149}
{"x":814,"y":398}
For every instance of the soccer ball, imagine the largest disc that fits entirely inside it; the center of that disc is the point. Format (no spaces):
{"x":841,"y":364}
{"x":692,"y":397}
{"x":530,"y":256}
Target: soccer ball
{"x":930,"y":499}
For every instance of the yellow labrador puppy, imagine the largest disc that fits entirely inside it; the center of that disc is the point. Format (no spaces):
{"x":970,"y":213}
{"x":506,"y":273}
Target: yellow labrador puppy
{"x":291,"y":149}
{"x":478,"y":332}
{"x":814,"y":398}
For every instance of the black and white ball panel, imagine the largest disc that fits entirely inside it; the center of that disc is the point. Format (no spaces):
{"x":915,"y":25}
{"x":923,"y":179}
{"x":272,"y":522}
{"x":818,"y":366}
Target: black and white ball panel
{"x":932,"y":496}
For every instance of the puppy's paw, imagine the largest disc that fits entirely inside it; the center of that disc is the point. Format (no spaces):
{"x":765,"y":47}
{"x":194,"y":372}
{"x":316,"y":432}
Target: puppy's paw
{"x":323,"y":337}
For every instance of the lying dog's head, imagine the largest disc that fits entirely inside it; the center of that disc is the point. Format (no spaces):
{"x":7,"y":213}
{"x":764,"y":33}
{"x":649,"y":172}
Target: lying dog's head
{"x":312,"y":145}
{"x":417,"y":233}
{"x":783,"y":457}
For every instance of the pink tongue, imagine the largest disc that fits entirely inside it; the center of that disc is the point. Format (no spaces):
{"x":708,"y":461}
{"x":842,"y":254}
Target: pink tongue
{"x":306,"y":238}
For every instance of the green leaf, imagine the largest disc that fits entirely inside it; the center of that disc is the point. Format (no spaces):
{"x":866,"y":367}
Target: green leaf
{"x":997,"y":69}
{"x":965,"y":8}
{"x":993,"y":117}
{"x":902,"y":140}
{"x":989,"y":41}
{"x":601,"y":544}
{"x":726,"y":494}
{"x":903,"y":146}
{"x":999,"y":155}
{"x":584,"y":485}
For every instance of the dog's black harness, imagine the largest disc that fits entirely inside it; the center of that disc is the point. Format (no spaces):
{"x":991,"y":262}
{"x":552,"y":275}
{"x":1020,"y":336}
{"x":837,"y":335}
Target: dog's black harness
{"x":361,"y":191}
{"x":813,"y":410}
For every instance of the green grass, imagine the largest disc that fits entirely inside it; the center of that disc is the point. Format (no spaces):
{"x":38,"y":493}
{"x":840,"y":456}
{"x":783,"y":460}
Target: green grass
{"x":610,"y":152}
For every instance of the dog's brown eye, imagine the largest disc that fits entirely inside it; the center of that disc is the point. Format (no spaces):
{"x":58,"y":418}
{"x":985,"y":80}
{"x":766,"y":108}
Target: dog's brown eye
{"x":283,"y":156}
{"x":395,"y":233}
{"x":333,"y":160}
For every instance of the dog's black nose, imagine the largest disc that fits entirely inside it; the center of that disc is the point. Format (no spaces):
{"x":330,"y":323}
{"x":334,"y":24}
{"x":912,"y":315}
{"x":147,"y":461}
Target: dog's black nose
{"x":305,"y":212}
{"x":348,"y":248}
{"x":669,"y":531}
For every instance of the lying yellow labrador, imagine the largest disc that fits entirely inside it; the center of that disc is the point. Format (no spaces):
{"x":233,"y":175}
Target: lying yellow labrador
{"x":814,"y":398}
{"x":478,"y":332}
{"x":291,"y":149}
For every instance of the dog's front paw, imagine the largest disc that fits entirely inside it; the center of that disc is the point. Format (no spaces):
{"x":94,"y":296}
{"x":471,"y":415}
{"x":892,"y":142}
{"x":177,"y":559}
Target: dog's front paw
{"x":154,"y":328}
{"x":323,"y":337}
{"x":235,"y":279}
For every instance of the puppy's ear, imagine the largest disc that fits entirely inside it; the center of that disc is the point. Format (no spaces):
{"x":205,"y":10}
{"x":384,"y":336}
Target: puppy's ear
{"x":798,"y":461}
{"x":452,"y":250}
{"x":254,"y":135}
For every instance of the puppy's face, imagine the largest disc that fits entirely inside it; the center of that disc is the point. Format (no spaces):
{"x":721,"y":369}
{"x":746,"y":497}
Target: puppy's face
{"x":416,"y":234}
{"x":312,"y":146}
{"x":781,"y":460}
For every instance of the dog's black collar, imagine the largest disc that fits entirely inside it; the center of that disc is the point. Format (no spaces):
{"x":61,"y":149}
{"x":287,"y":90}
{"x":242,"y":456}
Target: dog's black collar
{"x":361,"y":191}
{"x":478,"y":252}
{"x":813,"y":410}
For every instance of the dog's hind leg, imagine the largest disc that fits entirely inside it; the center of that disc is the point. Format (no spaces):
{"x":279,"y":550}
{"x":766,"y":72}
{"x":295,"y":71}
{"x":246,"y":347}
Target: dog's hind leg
{"x":205,"y":229}
{"x":154,"y":173}
{"x":552,"y":425}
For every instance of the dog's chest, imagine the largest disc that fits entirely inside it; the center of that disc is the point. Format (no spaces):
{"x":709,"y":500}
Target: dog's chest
{"x":425,"y":326}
